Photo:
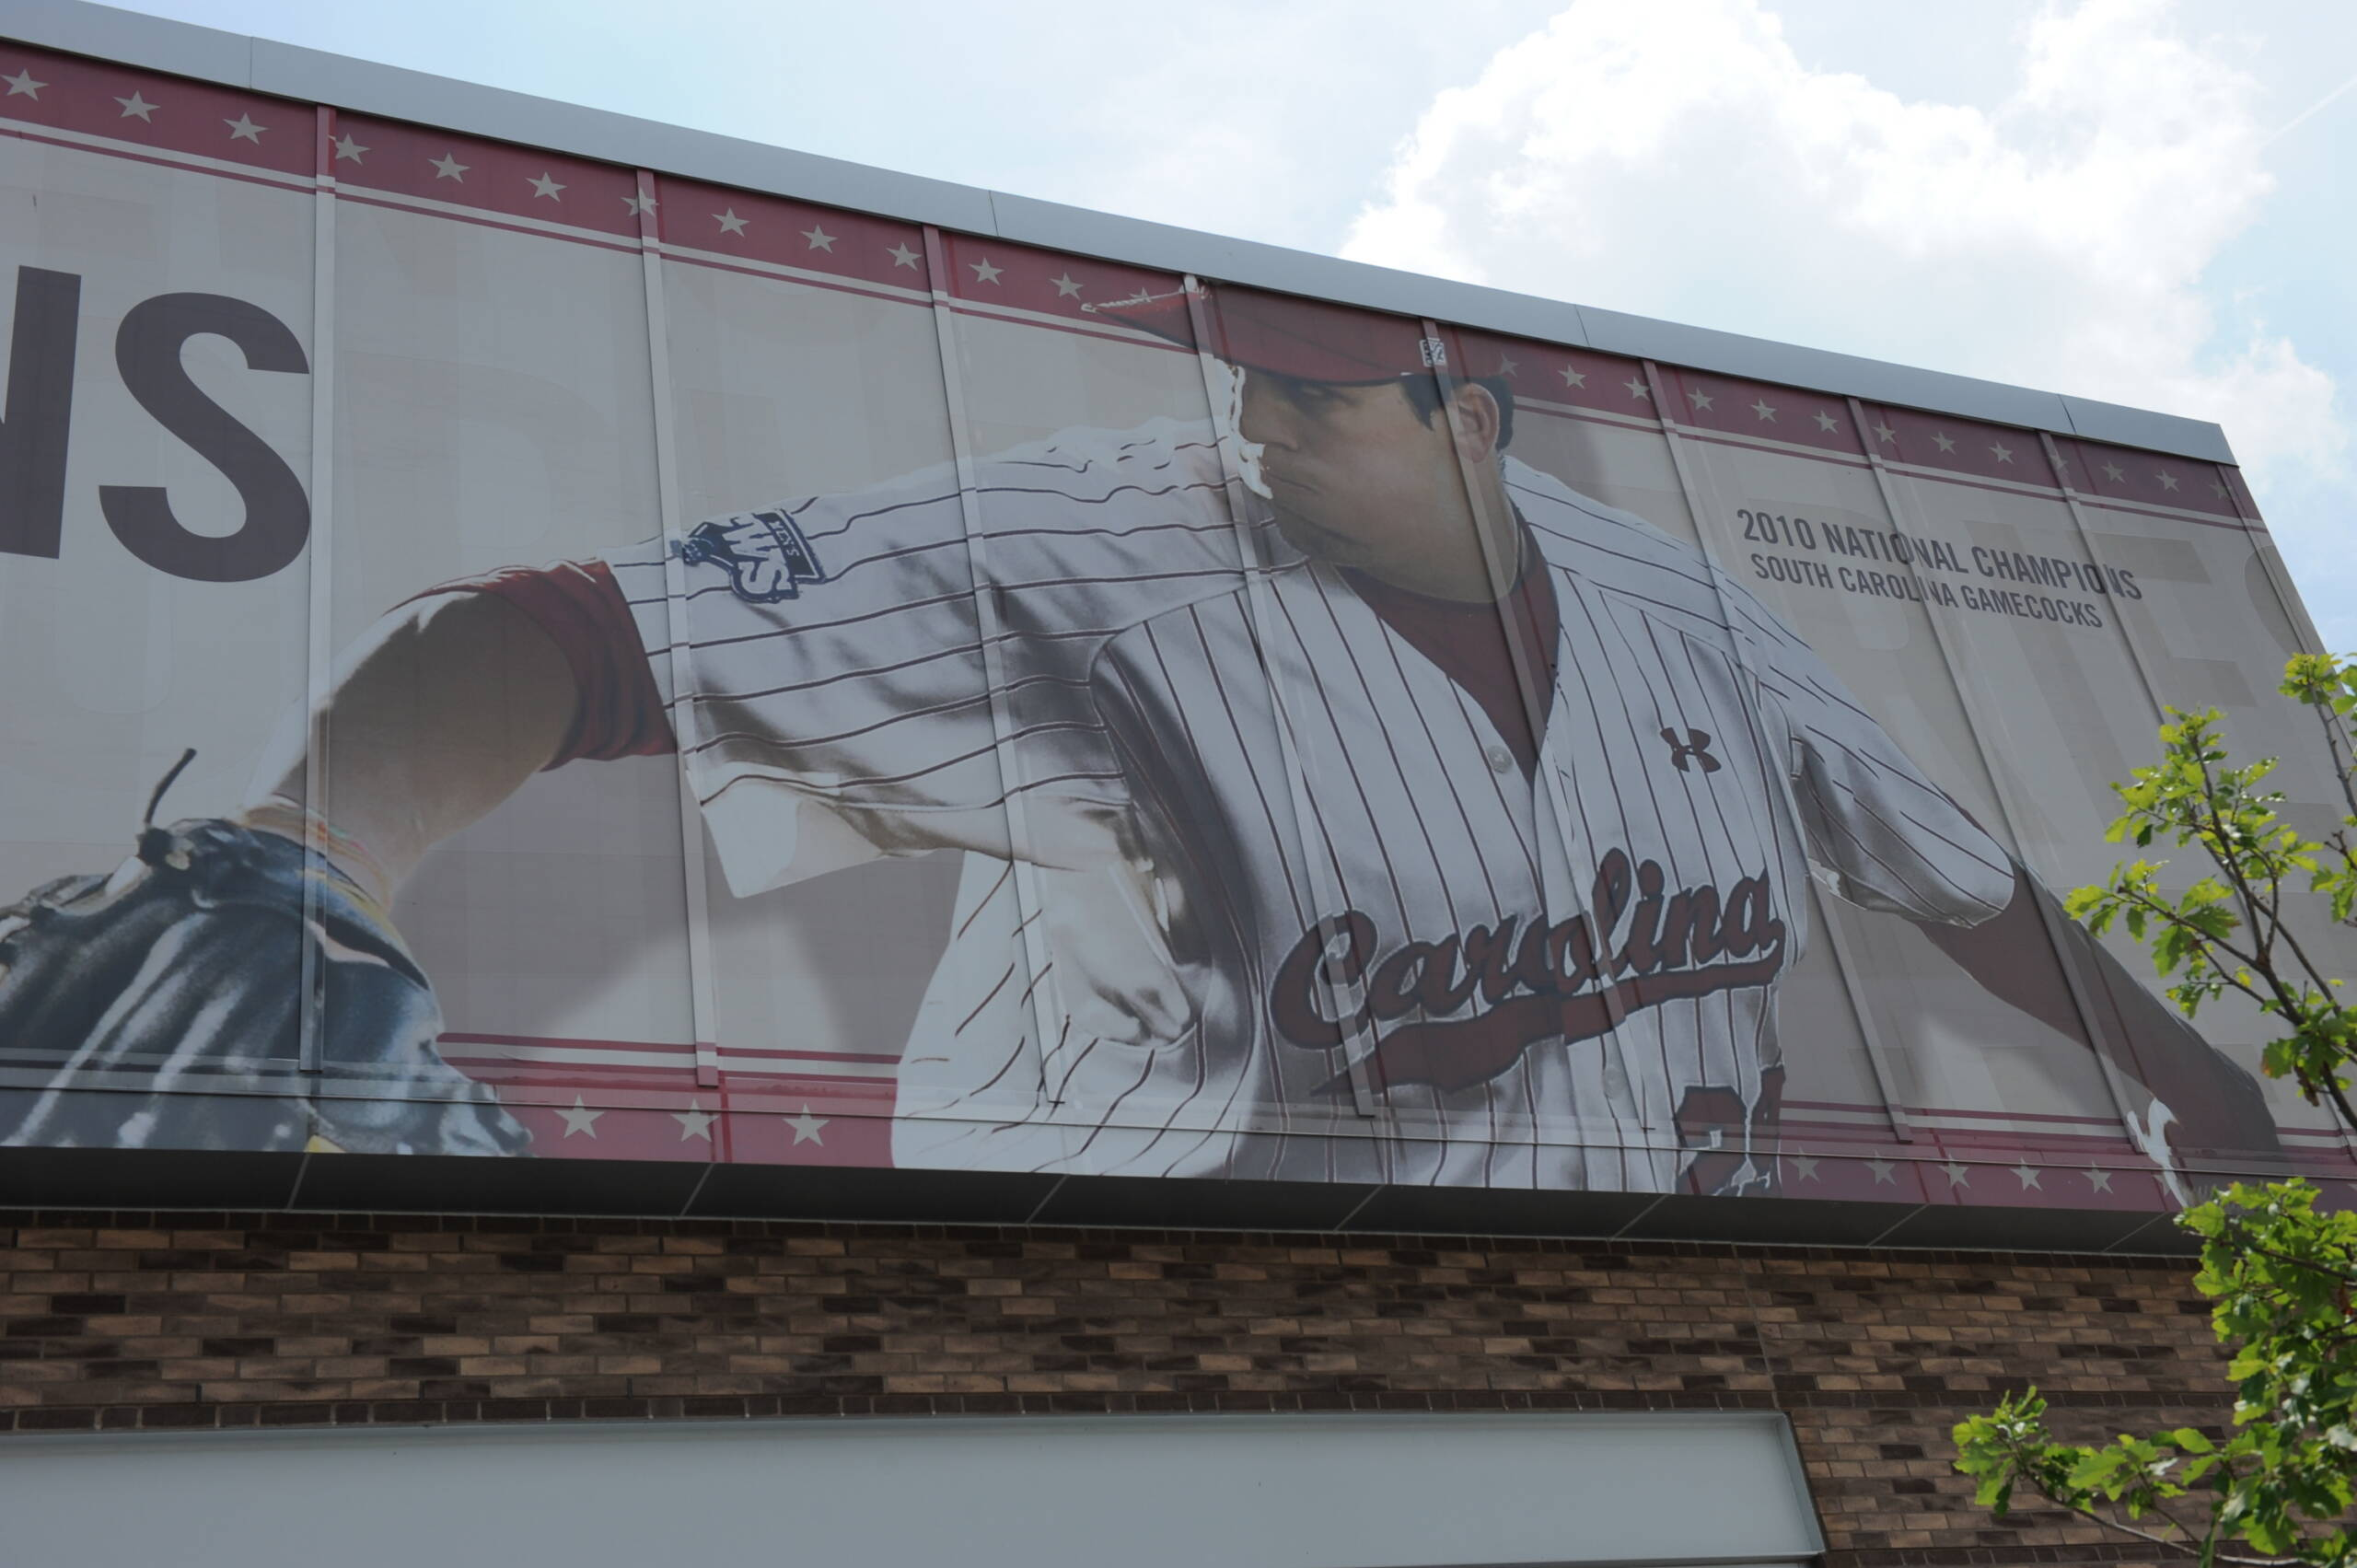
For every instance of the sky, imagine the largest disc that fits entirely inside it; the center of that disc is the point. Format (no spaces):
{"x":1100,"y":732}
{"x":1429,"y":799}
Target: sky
{"x":2142,"y":201}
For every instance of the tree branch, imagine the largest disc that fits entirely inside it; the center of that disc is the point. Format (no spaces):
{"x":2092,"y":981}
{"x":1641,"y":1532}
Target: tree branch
{"x":2315,"y":978}
{"x":2208,"y":943}
{"x":2345,"y":1275}
{"x":2344,"y":758}
{"x":2213,"y":846}
{"x":2341,"y":1103}
{"x":2186,"y":1546}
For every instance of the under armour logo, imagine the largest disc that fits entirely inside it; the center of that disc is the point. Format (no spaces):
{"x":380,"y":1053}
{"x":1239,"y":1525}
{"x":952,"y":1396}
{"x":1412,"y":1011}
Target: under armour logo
{"x":1697,"y":744}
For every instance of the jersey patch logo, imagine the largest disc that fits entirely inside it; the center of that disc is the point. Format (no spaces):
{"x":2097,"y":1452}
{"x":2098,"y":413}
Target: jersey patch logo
{"x":1695,"y":748}
{"x":766,"y":557}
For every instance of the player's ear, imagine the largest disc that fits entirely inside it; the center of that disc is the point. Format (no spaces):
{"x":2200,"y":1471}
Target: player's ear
{"x":1474,"y":421}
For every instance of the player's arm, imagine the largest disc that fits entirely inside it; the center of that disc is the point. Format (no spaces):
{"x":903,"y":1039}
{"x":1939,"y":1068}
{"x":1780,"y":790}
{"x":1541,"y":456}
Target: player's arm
{"x":439,"y":712}
{"x":193,"y":951}
{"x":1895,"y":842}
{"x":2016,"y":956}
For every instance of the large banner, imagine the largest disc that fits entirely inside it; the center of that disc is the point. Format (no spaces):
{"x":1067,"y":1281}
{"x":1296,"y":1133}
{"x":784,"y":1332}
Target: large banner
{"x":520,"y":657}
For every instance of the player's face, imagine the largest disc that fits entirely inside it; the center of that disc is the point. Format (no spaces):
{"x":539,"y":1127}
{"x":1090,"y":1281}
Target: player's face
{"x":1359,"y":477}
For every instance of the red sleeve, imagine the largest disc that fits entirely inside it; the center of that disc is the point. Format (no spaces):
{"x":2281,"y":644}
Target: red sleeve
{"x":619,"y":711}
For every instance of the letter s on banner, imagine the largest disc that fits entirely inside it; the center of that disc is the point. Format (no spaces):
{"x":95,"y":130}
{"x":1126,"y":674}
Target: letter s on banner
{"x":278,"y":515}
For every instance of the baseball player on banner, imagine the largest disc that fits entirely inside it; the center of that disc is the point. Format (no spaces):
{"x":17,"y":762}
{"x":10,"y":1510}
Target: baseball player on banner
{"x":1344,"y":799}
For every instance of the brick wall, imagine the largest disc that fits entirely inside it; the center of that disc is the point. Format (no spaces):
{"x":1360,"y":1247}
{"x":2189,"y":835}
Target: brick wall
{"x":180,"y":1320}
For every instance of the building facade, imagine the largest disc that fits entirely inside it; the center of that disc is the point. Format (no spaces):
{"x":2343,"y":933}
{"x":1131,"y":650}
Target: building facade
{"x":679,"y":791}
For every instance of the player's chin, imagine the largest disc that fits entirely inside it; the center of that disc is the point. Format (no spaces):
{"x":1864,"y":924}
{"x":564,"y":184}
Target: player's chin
{"x":1313,"y":537}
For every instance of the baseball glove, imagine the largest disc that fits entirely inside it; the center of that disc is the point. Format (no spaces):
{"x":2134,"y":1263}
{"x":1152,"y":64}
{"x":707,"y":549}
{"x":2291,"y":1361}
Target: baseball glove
{"x":167,"y":1001}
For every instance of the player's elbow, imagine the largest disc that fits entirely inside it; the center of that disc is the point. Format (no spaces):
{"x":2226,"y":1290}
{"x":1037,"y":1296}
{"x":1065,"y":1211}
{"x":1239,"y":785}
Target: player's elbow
{"x":441,"y":710}
{"x":462,"y":661}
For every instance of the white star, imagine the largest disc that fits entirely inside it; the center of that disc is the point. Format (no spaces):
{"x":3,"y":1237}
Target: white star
{"x":808,"y":1127}
{"x":819,"y":238}
{"x":447,"y":167}
{"x":902,"y":256}
{"x":580,"y":1119}
{"x":1885,"y":433}
{"x":1882,"y":1169}
{"x":1699,"y":398}
{"x":1826,"y":421}
{"x":694,"y":1123}
{"x":347,"y":148}
{"x":543,"y":185}
{"x":1066,"y":289}
{"x":2112,"y":472}
{"x":1805,"y":1165}
{"x":639,"y":205}
{"x":984,"y":272}
{"x":1506,"y":366}
{"x":1574,"y":377}
{"x":2218,"y":490}
{"x":1942,"y":437}
{"x":2028,"y":1173}
{"x":1958,"y":1175}
{"x":1637,"y":389}
{"x":1761,"y":408}
{"x":729,"y":222}
{"x":136,"y":108}
{"x":2099,"y":1178}
{"x":22,"y":82}
{"x":2002,"y":452}
{"x":243,"y":129}
{"x":2168,"y":479}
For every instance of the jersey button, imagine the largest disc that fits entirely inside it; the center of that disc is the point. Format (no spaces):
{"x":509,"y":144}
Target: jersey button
{"x":1501,"y":759}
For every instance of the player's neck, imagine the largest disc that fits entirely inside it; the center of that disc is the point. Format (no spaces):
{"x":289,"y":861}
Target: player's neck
{"x":1474,"y":559}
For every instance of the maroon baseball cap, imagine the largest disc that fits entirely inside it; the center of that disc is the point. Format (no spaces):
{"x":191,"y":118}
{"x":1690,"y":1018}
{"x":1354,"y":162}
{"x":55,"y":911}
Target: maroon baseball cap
{"x":1285,"y":335}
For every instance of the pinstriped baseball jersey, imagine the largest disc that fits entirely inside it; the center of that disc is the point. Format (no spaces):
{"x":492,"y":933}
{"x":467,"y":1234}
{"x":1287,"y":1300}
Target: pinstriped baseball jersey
{"x":1255,"y":890}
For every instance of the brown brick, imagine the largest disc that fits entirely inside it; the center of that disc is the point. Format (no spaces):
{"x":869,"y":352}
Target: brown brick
{"x":287,"y":1320}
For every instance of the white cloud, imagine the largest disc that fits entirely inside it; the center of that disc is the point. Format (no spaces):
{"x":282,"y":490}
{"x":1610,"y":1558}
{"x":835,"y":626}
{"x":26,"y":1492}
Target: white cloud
{"x":1219,"y":126}
{"x":1676,"y":159}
